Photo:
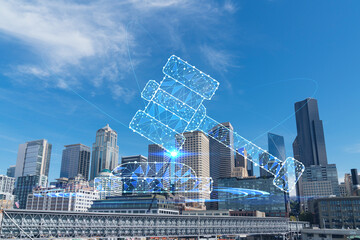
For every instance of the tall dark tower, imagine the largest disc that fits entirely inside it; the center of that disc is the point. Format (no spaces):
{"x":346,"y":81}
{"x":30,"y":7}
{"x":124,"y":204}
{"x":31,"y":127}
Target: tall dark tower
{"x":309,"y":145}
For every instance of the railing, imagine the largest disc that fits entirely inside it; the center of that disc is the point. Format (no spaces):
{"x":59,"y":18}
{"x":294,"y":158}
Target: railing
{"x":47,"y":224}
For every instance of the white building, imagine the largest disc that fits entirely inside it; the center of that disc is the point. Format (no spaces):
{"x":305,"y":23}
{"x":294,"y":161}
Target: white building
{"x":195,"y":154}
{"x":7,"y":185}
{"x":77,"y":196}
{"x":105,"y":152}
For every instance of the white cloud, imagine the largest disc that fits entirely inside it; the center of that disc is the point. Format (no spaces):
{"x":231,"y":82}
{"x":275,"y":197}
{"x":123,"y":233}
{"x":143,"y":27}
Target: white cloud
{"x":353,"y":148}
{"x":123,"y":93}
{"x":92,"y":39}
{"x":218,"y":59}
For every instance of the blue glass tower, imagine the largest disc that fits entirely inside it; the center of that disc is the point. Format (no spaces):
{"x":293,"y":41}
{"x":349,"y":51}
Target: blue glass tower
{"x":276,"y":147}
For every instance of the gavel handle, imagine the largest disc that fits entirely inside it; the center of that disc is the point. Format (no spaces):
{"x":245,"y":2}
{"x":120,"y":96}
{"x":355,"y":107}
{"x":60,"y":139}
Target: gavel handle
{"x":286,"y":173}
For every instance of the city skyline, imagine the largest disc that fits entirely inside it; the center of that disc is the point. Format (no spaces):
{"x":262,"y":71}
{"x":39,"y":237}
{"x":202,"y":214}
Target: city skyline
{"x":66,"y":110}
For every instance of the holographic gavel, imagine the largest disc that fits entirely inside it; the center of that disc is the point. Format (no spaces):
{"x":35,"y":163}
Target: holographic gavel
{"x":175,"y":106}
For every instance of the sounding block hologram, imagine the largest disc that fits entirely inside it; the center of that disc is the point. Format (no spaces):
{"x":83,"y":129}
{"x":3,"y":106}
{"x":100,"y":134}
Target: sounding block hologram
{"x":175,"y":105}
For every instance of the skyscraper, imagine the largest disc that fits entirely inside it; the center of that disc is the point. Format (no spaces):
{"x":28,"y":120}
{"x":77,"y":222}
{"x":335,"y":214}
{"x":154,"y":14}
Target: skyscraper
{"x":309,"y":145}
{"x":195,"y":154}
{"x":156,"y":153}
{"x":221,"y":157}
{"x":11,"y":171}
{"x":33,"y":158}
{"x":276,"y":147}
{"x":75,"y":160}
{"x":137,"y":158}
{"x":105,"y":152}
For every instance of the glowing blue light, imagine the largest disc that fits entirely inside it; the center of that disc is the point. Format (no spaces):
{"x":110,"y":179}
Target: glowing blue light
{"x":174,"y":153}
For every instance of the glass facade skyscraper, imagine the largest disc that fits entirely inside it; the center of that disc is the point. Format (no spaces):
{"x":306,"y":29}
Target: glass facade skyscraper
{"x":33,"y":158}
{"x":105,"y":152}
{"x":309,"y":145}
{"x":276,"y":147}
{"x":75,"y":160}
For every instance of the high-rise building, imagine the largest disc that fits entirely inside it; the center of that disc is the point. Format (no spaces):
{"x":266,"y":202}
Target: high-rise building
{"x":250,"y":169}
{"x":33,"y":158}
{"x":136,"y":158}
{"x":221,"y":157}
{"x":318,"y":181}
{"x":105,"y":152}
{"x":309,"y":145}
{"x":195,"y":154}
{"x":156,"y":153}
{"x":240,"y":167}
{"x":75,"y":160}
{"x":276,"y":147}
{"x":25,"y":186}
{"x":11,"y":171}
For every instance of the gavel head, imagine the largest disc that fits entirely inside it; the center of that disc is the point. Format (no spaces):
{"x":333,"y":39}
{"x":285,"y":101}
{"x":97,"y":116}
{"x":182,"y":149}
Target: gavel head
{"x":191,"y":77}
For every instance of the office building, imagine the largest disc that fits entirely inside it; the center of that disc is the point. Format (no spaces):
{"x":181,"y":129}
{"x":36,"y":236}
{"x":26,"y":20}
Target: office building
{"x":25,"y":186}
{"x":240,"y":167}
{"x":156,"y":153}
{"x":355,"y":182}
{"x":75,"y":160}
{"x":138,"y":204}
{"x":276,"y":147}
{"x":222,"y":158}
{"x":132,"y":159}
{"x":7,"y":185}
{"x":195,"y":154}
{"x":342,"y":189}
{"x":77,"y":196}
{"x":337,"y":212}
{"x":318,"y":181}
{"x":274,"y":204}
{"x":250,"y":168}
{"x":33,"y":158}
{"x":105,"y":152}
{"x":11,"y":171}
{"x":309,"y":145}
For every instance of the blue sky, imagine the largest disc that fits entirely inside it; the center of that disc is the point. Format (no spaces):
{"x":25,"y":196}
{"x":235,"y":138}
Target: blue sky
{"x":59,"y":59}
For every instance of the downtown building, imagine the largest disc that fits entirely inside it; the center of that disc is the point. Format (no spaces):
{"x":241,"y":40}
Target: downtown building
{"x":319,"y":179}
{"x":156,"y":153}
{"x":105,"y":151}
{"x":195,"y":154}
{"x":7,"y":185}
{"x":32,"y":169}
{"x":274,"y":204}
{"x":75,"y":161}
{"x":76,"y":196}
{"x":133,"y":159}
{"x":276,"y":147}
{"x":33,"y":158}
{"x":10,"y":172}
{"x":222,"y":158}
{"x":336,"y":212}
